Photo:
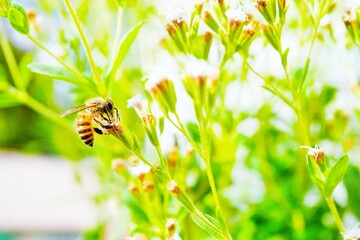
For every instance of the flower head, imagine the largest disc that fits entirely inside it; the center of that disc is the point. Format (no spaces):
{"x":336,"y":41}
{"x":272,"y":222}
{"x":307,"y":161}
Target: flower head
{"x":140,"y":105}
{"x":352,"y":234}
{"x":317,"y":153}
{"x":200,"y":69}
{"x":236,"y":14}
{"x":140,"y":170}
{"x":176,"y":14}
{"x":160,"y":85}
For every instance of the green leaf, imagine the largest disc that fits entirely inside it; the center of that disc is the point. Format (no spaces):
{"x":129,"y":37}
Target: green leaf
{"x":161,"y":124}
{"x":18,"y":18}
{"x":198,"y":221}
{"x":55,"y":73}
{"x":213,"y":220}
{"x":7,"y":100}
{"x":123,"y":49}
{"x":284,"y":57}
{"x":336,"y":174}
{"x":193,"y":131}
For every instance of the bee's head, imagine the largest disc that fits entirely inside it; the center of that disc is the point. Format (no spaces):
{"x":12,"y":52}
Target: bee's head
{"x":109,"y":106}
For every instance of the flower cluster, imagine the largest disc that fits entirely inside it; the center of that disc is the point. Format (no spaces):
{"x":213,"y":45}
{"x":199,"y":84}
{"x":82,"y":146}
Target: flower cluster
{"x":234,"y":26}
{"x":352,"y":23}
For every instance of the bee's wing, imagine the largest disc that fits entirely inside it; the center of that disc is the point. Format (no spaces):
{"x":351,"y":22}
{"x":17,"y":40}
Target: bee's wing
{"x":74,"y":110}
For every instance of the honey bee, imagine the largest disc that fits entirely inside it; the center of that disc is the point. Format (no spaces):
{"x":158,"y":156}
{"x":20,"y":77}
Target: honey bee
{"x":99,"y":110}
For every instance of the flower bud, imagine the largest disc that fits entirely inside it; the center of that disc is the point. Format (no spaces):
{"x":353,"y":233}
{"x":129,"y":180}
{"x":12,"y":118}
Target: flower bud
{"x":148,"y":120}
{"x":133,"y":189}
{"x":267,"y":8}
{"x":171,"y":226}
{"x":318,"y":156}
{"x":208,"y":38}
{"x":173,"y":157}
{"x":246,"y":36}
{"x":162,"y":89}
{"x":271,"y":35}
{"x":211,"y":22}
{"x":117,"y":165}
{"x":352,"y":25}
{"x":148,"y":185}
{"x":173,"y":187}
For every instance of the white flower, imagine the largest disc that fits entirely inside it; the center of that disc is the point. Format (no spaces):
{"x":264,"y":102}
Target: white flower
{"x":236,"y":14}
{"x":200,"y":68}
{"x":352,"y":234}
{"x":167,"y":69}
{"x":140,"y":169}
{"x":140,"y":104}
{"x":248,"y":28}
{"x":176,"y":13}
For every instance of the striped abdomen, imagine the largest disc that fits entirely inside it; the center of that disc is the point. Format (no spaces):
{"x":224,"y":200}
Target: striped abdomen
{"x":85,"y":129}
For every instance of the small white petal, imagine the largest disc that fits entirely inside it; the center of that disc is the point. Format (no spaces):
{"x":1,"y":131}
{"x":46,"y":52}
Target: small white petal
{"x":236,"y":14}
{"x":139,"y":169}
{"x":200,"y":68}
{"x":352,"y":234}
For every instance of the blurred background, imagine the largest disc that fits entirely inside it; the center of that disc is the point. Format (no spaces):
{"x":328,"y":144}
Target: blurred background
{"x":52,"y":186}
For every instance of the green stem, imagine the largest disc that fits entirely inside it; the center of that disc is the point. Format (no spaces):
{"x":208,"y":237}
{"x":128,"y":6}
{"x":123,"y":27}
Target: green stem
{"x":86,"y":45}
{"x":193,"y":210}
{"x":334,"y":212}
{"x":205,"y":142}
{"x":68,"y":67}
{"x":163,"y":162}
{"x":10,"y":60}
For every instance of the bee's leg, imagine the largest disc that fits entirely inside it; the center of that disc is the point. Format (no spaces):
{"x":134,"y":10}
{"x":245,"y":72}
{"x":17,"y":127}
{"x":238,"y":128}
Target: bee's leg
{"x":98,"y":131}
{"x":103,"y":127}
{"x":117,"y":114}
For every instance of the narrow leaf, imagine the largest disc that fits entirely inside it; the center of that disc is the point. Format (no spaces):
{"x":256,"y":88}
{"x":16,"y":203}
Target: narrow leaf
{"x":55,"y":73}
{"x":303,"y":76}
{"x":123,"y":50}
{"x":198,"y":221}
{"x":336,"y":174}
{"x":161,"y":124}
{"x":284,"y":57}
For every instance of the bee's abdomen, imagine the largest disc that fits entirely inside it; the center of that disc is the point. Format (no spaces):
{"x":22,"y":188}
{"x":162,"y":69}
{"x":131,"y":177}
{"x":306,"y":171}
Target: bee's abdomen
{"x":85,"y":129}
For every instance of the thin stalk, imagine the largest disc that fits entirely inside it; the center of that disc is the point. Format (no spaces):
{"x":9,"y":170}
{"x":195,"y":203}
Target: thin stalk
{"x":86,"y":45}
{"x":183,"y":130}
{"x":163,"y":162}
{"x":10,"y":60}
{"x":334,"y":212}
{"x":207,"y":159}
{"x":273,"y":88}
{"x":62,"y":62}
